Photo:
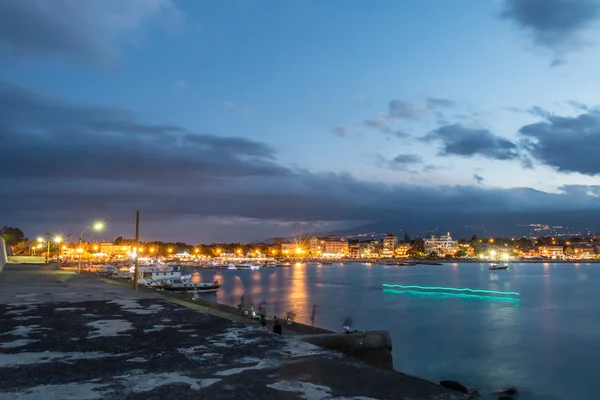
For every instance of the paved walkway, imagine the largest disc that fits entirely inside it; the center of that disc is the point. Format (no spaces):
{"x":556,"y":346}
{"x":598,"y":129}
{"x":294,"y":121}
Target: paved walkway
{"x":69,"y":336}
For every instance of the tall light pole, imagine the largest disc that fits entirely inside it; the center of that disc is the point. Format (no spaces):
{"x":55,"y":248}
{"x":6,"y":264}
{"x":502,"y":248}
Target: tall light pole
{"x":98,"y":226}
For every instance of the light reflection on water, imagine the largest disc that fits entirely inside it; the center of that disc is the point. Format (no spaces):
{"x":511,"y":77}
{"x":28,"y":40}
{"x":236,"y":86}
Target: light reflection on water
{"x":545,"y":344}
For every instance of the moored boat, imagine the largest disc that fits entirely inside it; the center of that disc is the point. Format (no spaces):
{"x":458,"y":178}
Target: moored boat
{"x":186,"y":285}
{"x":495,"y":267}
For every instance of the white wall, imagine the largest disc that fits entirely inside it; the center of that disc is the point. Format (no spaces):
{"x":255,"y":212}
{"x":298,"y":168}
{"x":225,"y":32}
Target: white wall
{"x":3,"y":258}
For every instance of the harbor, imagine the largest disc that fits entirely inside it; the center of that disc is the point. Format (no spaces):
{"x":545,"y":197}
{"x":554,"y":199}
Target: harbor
{"x":69,"y":335}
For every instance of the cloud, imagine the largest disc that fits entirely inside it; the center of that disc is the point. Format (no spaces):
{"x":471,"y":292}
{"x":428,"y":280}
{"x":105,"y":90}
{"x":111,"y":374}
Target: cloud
{"x":44,"y":134}
{"x":402,"y":109}
{"x":478,"y":178}
{"x":83,"y":31}
{"x":64,"y":165}
{"x":439,"y":103}
{"x":402,"y":162}
{"x":341,"y":131}
{"x":459,"y":140}
{"x":568,"y":144}
{"x":554,"y":24}
{"x":383,"y":125}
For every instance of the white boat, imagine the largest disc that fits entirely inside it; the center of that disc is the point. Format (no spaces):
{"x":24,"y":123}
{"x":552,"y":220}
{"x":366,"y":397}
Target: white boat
{"x":186,"y":285}
{"x":244,"y":266}
{"x":155,"y":278}
{"x":231,"y":266}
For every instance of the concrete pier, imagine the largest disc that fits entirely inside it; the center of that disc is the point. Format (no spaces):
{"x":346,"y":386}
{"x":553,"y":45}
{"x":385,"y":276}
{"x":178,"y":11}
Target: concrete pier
{"x":64,"y":335}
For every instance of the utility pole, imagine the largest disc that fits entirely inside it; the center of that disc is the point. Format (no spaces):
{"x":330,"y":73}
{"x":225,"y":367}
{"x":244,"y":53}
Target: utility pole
{"x":136,"y":269}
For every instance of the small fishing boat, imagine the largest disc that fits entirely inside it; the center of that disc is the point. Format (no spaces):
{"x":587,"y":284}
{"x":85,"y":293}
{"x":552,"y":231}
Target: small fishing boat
{"x":186,"y":285}
{"x":495,"y":267}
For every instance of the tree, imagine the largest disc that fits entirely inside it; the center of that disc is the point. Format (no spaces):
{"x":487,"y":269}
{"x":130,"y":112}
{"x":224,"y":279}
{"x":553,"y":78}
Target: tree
{"x":433,"y":254}
{"x":12,"y":235}
{"x":461,"y":253}
{"x":21,"y":248}
{"x":119,"y":240}
{"x":474,"y":238}
{"x":406,"y":238}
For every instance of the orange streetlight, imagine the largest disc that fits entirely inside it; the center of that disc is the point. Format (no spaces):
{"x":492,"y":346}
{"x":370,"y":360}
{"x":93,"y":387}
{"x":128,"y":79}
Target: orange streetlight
{"x":151,"y":249}
{"x":170,"y":250}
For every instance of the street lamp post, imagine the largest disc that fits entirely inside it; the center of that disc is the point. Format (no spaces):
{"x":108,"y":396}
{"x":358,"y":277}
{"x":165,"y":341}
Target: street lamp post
{"x":96,"y":227}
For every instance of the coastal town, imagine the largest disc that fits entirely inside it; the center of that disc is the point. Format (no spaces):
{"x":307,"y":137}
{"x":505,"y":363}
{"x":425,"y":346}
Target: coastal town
{"x":330,"y":247}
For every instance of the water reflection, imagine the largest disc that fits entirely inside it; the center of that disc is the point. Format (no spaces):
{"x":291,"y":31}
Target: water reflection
{"x":543,"y":342}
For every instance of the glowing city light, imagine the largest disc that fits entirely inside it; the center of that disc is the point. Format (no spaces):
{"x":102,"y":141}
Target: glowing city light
{"x":442,"y":295}
{"x":451,"y":289}
{"x":98,"y":226}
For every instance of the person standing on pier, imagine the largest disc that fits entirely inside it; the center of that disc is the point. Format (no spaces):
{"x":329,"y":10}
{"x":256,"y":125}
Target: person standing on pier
{"x":277,"y":328}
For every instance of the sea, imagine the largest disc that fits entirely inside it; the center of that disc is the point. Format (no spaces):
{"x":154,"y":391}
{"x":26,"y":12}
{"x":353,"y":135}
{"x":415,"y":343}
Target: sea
{"x":535,"y":327}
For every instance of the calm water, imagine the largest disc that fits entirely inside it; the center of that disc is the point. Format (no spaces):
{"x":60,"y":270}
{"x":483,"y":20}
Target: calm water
{"x":546,"y":344}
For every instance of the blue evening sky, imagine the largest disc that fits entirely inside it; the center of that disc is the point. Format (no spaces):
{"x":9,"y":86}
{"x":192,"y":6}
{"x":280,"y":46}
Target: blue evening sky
{"x":305,"y":76}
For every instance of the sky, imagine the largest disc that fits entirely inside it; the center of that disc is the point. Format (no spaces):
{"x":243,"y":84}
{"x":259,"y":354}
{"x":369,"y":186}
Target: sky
{"x":239,"y":120}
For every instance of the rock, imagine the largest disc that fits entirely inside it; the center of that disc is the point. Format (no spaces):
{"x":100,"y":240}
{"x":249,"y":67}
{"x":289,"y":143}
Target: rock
{"x":508,"y":393}
{"x":454,"y":386}
{"x":505,"y":398}
{"x":474,"y":394}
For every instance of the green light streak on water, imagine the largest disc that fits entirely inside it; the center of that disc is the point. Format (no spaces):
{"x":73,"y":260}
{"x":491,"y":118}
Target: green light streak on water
{"x":451,"y":289}
{"x":443,"y":295}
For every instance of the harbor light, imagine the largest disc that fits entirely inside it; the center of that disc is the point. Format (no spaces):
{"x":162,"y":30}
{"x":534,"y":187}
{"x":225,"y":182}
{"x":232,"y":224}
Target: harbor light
{"x":40,"y":239}
{"x":170,"y":250}
{"x":58,"y":239}
{"x":505,"y":256}
{"x":98,"y":226}
{"x":298,"y":250}
{"x":151,"y":249}
{"x":493,"y":253}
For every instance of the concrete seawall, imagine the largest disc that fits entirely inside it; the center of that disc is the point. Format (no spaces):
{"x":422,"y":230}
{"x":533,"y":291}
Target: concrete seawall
{"x":3,"y":255}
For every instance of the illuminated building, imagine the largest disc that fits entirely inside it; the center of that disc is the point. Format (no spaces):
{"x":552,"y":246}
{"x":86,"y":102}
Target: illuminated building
{"x":441,"y":246}
{"x":389,"y":245}
{"x":402,"y":250}
{"x":551,"y":251}
{"x":117,"y":251}
{"x":334,"y":246}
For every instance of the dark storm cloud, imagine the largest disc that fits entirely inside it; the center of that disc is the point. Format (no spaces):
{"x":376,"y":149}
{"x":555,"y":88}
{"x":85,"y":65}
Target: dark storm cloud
{"x":439,"y":103}
{"x":568,"y":144}
{"x":63,"y":165}
{"x":467,"y":142}
{"x":554,"y":24}
{"x":78,"y":30}
{"x":45,"y":135}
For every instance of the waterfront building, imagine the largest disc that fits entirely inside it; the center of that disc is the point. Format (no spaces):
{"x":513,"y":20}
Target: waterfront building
{"x":551,"y":251}
{"x":402,"y":250}
{"x":441,"y":246}
{"x":389,"y":245}
{"x":334,"y":246}
{"x":354,"y":250}
{"x":288,"y":248}
{"x":313,"y":246}
{"x":113,"y":250}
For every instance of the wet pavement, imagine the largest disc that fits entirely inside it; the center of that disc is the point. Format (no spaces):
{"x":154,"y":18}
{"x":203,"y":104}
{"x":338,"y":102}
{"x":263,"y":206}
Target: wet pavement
{"x":69,"y":336}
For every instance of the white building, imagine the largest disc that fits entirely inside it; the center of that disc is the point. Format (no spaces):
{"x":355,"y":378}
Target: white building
{"x":441,"y":246}
{"x":389,"y":245}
